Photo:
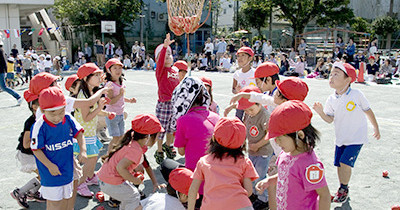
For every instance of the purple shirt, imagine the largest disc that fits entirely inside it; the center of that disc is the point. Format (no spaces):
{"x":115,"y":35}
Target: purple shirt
{"x":194,"y":131}
{"x":298,"y":178}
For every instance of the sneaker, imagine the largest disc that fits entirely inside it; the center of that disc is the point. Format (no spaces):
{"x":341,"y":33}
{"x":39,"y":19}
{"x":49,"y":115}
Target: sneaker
{"x":169,"y":151}
{"x":113,"y":203}
{"x":92,"y":181}
{"x":36,"y":197}
{"x":84,"y":191}
{"x":19,"y":101}
{"x":21,"y":199}
{"x":341,"y":196}
{"x":159,"y":157}
{"x":260,"y":205}
{"x":103,"y":136}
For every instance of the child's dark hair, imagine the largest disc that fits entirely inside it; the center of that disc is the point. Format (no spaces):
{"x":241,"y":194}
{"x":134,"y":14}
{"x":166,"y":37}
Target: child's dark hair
{"x":171,"y":191}
{"x":109,"y":77}
{"x":74,"y":84}
{"x":280,"y":95}
{"x":34,"y":102}
{"x":311,"y":136}
{"x":124,"y":141}
{"x":211,"y":95}
{"x":219,"y":151}
{"x":199,"y":99}
{"x":274,"y":78}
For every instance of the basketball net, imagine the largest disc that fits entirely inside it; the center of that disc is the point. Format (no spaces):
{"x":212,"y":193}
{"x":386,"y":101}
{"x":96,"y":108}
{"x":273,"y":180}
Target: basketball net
{"x":184,"y":17}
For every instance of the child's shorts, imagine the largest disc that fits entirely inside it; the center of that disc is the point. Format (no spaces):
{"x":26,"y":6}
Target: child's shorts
{"x":93,"y":146}
{"x":116,"y":126}
{"x":57,"y":193}
{"x":28,"y":162}
{"x":10,"y":75}
{"x":126,"y":192}
{"x":347,"y":154}
{"x":164,"y":114}
{"x":18,"y":70}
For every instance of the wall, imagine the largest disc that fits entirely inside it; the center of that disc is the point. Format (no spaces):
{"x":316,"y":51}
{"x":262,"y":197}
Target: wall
{"x":371,"y":9}
{"x":9,"y":19}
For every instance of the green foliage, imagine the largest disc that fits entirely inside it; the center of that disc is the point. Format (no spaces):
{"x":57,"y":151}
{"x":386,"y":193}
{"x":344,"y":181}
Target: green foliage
{"x":361,"y":25}
{"x":326,"y":12}
{"x":254,"y":14}
{"x":385,"y":25}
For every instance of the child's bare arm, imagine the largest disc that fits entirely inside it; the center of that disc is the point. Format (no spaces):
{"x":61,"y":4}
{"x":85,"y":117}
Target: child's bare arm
{"x":153,"y":178}
{"x":265,"y":183}
{"x":27,"y":140}
{"x":130,"y":100}
{"x":53,"y":168}
{"x":229,"y":109}
{"x":248,"y":186}
{"x":238,"y":96}
{"x":115,"y":98}
{"x":82,"y":148}
{"x":255,"y":147}
{"x":79,"y":103}
{"x":235,"y":87}
{"x":320,"y":110}
{"x":371,"y":117}
{"x":324,"y":198}
{"x":193,"y":190}
{"x":181,"y":151}
{"x":88,"y":115}
{"x":122,"y":169}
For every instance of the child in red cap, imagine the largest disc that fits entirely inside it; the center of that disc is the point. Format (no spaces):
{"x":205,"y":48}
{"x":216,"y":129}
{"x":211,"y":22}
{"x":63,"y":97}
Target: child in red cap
{"x":226,"y":172}
{"x":52,"y":144}
{"x":26,"y":158}
{"x":347,"y":108}
{"x":72,"y":85}
{"x":300,"y":182}
{"x":245,"y":75}
{"x":213,"y":105}
{"x":182,"y":68}
{"x":114,"y":78}
{"x":372,"y":68}
{"x":167,"y":80}
{"x":115,"y":175}
{"x":177,"y":192}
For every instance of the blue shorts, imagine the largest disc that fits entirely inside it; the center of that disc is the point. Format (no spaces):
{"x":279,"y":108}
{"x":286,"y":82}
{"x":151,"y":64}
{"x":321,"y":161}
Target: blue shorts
{"x":10,"y":76}
{"x":116,"y":126}
{"x":347,"y":154}
{"x":93,"y":146}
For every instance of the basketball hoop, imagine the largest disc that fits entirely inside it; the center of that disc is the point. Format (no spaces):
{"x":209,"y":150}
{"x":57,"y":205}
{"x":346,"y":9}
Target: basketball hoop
{"x":184,"y":16}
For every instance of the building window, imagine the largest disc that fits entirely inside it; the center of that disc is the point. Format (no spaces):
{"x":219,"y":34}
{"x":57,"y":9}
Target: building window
{"x":153,"y":14}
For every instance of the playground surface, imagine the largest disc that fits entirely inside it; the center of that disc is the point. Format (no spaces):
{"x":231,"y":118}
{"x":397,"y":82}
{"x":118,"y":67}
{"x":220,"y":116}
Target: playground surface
{"x":368,"y":189}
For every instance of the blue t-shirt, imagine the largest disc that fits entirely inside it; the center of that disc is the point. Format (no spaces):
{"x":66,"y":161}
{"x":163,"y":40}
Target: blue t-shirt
{"x":56,"y":143}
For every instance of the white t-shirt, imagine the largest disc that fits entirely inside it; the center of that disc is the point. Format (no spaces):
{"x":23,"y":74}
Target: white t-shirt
{"x":267,"y":49}
{"x":209,"y":47}
{"x":226,"y":63}
{"x":243,"y":79}
{"x":349,"y":118}
{"x":69,"y":107}
{"x":373,"y":50}
{"x":161,"y":201}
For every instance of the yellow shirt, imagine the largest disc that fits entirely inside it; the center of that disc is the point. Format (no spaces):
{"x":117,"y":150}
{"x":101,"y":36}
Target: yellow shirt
{"x":89,"y":127}
{"x":10,"y":67}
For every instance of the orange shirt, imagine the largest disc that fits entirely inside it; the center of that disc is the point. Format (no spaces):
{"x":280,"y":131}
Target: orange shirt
{"x":223,"y":181}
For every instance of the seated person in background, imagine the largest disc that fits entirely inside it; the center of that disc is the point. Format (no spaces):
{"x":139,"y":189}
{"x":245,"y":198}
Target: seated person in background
{"x":127,"y":62}
{"x":358,"y":59}
{"x":386,"y":69}
{"x":298,"y":66}
{"x":225,"y":63}
{"x":284,"y":64}
{"x":149,"y":63}
{"x":139,"y":63}
{"x":337,"y":54}
{"x":319,"y":68}
{"x":372,"y":68}
{"x":202,"y":62}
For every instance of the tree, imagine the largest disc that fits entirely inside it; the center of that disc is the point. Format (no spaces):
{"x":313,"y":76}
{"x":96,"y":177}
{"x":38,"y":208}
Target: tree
{"x":78,"y":12}
{"x":255,"y":14}
{"x":361,"y":25}
{"x":326,"y":12}
{"x":384,"y":26}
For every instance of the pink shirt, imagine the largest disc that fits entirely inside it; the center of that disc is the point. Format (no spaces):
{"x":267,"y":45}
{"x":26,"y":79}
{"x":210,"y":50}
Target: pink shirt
{"x":194,"y":131}
{"x":298,"y":178}
{"x":118,"y":107}
{"x":214,"y":107}
{"x":108,"y":172}
{"x":167,"y":78}
{"x":223,"y":180}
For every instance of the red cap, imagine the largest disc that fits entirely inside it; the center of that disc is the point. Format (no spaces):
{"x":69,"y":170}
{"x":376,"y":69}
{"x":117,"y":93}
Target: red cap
{"x":70,"y":80}
{"x":348,"y":69}
{"x":371,"y":57}
{"x":113,"y":61}
{"x":247,"y":50}
{"x":87,"y":69}
{"x":206,"y":81}
{"x":180,"y":179}
{"x":51,"y":98}
{"x":29,"y":97}
{"x":146,"y":124}
{"x":230,"y":132}
{"x":266,"y":69}
{"x":288,"y":117}
{"x":41,"y":81}
{"x":293,"y":88}
{"x":181,"y":65}
{"x":244,"y":103}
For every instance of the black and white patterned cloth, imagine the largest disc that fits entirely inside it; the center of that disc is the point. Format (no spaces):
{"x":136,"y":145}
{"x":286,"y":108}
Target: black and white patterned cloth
{"x":184,"y":95}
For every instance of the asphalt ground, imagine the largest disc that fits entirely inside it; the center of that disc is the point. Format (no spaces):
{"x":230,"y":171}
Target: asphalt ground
{"x":368,"y":189}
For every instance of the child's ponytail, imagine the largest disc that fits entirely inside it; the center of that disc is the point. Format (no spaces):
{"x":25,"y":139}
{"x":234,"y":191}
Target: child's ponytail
{"x":128,"y":137}
{"x":311,"y":136}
